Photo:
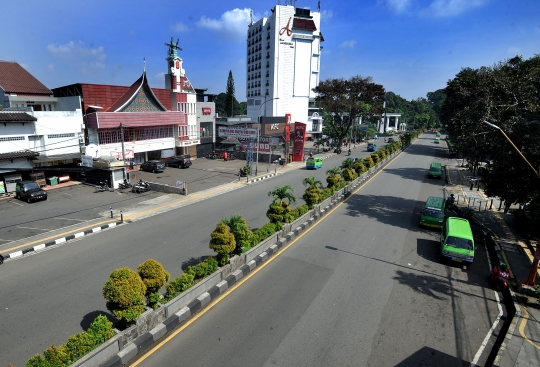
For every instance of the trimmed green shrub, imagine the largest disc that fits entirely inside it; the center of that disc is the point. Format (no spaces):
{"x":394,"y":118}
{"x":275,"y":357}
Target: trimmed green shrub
{"x":124,"y":292}
{"x":349,"y":174}
{"x":178,"y":285}
{"x":368,"y":162}
{"x":267,"y":230}
{"x":78,"y":345}
{"x":313,"y":196}
{"x":154,"y":276}
{"x":278,"y":211}
{"x":222,"y":241}
{"x":375,"y":157}
{"x":303,"y":209}
{"x":359,"y":167}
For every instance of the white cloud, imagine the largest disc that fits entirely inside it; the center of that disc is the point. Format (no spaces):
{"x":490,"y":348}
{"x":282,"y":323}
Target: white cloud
{"x":233,"y":24}
{"x":50,"y":67}
{"x":326,"y":15}
{"x":348,"y":44}
{"x":397,"y":6}
{"x":449,"y":8}
{"x":180,"y":27}
{"x":79,"y":56}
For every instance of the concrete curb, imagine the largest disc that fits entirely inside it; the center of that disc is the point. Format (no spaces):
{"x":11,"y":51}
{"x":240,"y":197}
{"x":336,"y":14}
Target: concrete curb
{"x":58,"y":241}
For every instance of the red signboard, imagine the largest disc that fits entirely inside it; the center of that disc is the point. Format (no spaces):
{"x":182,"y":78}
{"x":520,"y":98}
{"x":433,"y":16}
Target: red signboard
{"x":287,"y":127}
{"x":206,"y":110}
{"x":299,"y":139}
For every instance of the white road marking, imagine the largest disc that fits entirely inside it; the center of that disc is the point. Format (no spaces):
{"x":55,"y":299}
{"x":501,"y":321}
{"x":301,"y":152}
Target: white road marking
{"x":490,"y":332}
{"x":80,"y":220}
{"x":40,"y":229}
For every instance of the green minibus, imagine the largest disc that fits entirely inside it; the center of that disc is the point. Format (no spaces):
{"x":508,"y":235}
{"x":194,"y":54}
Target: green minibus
{"x":433,"y":213}
{"x":457,"y":242}
{"x":435,"y":170}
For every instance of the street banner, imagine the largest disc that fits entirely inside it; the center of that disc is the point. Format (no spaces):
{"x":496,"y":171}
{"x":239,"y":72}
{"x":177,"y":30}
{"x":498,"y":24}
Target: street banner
{"x":299,"y":140}
{"x":287,"y":127}
{"x":224,"y":131}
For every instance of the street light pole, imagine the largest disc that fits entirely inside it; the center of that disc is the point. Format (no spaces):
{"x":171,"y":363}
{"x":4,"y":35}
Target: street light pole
{"x":515,"y":148}
{"x":258,"y":134}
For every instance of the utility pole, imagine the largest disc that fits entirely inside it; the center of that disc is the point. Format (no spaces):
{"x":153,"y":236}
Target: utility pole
{"x":123,"y":151}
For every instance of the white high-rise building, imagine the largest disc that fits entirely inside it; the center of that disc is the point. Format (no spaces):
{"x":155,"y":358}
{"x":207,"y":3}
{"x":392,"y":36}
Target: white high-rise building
{"x":283,"y":61}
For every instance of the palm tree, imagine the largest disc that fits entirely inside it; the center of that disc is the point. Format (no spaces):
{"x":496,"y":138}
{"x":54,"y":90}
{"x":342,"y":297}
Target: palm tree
{"x":333,"y":177}
{"x":312,"y":182}
{"x":281,"y":193}
{"x":347,"y":163}
{"x":318,"y":143}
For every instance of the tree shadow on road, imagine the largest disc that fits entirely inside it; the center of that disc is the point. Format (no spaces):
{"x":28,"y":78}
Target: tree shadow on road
{"x":91,"y":316}
{"x":391,"y":210}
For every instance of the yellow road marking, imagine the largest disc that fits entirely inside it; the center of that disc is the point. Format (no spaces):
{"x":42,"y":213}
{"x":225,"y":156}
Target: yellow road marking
{"x":522,"y":328}
{"x":143,"y":357}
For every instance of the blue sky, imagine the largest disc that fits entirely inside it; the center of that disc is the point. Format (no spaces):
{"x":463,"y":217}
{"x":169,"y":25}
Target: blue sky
{"x":411,"y":47}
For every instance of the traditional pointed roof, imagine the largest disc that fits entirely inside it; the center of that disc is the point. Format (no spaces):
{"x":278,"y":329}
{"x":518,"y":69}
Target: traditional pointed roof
{"x":138,"y":98}
{"x":15,"y":79}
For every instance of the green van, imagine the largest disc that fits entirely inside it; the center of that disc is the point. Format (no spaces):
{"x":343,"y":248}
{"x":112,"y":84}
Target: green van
{"x":435,"y":170}
{"x":314,"y":163}
{"x":433,"y":213}
{"x":457,"y":242}
{"x":438,"y":134}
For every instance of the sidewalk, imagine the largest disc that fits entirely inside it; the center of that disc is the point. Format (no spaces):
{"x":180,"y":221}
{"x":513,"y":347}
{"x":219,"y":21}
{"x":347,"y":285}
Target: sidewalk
{"x":521,"y":346}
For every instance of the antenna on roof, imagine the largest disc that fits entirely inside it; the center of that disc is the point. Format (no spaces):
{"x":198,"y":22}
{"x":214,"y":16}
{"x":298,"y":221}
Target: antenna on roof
{"x":319,"y":6}
{"x":251,"y":15}
{"x":144,"y":60}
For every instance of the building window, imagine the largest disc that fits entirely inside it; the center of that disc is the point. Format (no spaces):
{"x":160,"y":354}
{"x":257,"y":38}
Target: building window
{"x":12,"y":138}
{"x":58,"y":136}
{"x":267,"y":64}
{"x":111,"y":136}
{"x":267,"y":92}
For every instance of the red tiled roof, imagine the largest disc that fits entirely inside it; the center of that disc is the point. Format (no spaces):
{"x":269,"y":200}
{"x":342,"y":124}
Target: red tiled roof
{"x":306,"y":24}
{"x":10,"y":116}
{"x":103,"y":120}
{"x":15,"y":79}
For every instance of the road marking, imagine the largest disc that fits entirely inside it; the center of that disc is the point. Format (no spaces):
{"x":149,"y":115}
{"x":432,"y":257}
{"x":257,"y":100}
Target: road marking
{"x":522,"y":328}
{"x":245,"y":279}
{"x":80,"y":220}
{"x":495,"y":323}
{"x":55,"y":236}
{"x":39,"y":229}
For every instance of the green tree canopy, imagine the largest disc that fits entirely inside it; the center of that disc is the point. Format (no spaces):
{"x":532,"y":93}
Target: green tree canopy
{"x":344,"y":101}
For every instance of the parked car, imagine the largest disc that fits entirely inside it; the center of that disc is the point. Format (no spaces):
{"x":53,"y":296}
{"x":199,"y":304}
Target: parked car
{"x":153,"y":166}
{"x":390,"y":140}
{"x":371,"y":147}
{"x":437,"y":140}
{"x":29,"y":191}
{"x":179,"y":161}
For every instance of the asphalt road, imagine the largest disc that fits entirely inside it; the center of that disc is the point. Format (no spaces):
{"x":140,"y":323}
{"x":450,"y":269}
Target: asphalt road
{"x":364,"y":287}
{"x":50,"y":295}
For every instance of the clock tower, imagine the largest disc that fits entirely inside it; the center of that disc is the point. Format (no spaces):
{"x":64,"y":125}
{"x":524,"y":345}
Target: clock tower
{"x":175,"y":70}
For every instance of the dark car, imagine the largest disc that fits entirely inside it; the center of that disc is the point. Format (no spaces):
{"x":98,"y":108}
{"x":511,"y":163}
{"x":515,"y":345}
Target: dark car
{"x":29,"y":191}
{"x":371,"y":147}
{"x":390,"y":140}
{"x":153,"y":166}
{"x":180,"y":161}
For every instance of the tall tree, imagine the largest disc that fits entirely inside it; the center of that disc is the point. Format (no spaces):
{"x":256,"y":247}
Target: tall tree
{"x":344,"y":101}
{"x":231,"y":98}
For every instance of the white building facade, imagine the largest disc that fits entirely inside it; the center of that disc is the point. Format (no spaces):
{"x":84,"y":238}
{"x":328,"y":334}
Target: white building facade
{"x":283,"y":64}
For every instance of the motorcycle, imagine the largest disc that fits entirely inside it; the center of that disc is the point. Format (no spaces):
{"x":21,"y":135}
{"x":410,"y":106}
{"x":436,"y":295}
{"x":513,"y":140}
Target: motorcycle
{"x":349,"y":152}
{"x":124,"y":185}
{"x":500,"y":277}
{"x":103,"y":186}
{"x":140,"y":187}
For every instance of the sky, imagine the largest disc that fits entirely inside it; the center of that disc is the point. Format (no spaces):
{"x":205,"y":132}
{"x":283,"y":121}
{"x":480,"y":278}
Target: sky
{"x":411,"y":47}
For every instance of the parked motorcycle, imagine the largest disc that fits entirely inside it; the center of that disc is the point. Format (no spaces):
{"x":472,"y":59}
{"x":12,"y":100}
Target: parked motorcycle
{"x":500,"y":277}
{"x":103,"y":186}
{"x":124,"y":185}
{"x":349,"y":152}
{"x":140,"y":187}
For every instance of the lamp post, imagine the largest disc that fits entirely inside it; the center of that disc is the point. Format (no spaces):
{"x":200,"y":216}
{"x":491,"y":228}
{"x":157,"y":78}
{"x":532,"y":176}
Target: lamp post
{"x":515,"y":148}
{"x":258,"y":133}
{"x":536,"y":260}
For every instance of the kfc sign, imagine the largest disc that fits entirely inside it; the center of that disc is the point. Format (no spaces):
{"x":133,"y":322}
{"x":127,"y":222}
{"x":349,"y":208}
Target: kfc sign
{"x":206,"y":110}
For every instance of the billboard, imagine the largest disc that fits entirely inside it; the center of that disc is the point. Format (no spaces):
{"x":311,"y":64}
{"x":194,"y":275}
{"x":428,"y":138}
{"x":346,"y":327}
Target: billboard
{"x":299,"y":140}
{"x":225,"y":131}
